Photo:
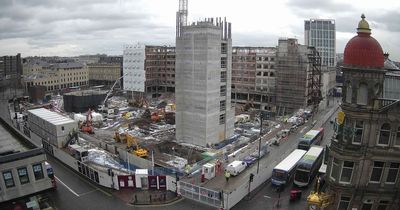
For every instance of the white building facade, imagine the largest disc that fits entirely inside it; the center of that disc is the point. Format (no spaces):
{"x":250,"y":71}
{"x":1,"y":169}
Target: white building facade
{"x":134,"y":75}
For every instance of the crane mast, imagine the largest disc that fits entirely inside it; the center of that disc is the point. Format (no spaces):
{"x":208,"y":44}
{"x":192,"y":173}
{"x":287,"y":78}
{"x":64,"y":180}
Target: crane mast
{"x":181,"y":17}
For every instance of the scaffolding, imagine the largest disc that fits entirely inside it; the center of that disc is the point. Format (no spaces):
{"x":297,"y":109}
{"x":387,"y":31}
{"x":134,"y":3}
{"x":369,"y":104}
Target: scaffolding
{"x":298,"y":80}
{"x":314,"y":79}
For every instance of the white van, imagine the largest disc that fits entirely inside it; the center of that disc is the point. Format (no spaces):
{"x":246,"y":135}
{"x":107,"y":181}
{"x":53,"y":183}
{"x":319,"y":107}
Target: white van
{"x":236,"y":167}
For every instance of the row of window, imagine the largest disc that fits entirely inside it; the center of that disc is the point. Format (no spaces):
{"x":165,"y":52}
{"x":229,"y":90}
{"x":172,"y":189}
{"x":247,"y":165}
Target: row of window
{"x":23,"y":175}
{"x":344,"y":204}
{"x":387,"y":172}
{"x":353,"y":132}
{"x":265,"y":66}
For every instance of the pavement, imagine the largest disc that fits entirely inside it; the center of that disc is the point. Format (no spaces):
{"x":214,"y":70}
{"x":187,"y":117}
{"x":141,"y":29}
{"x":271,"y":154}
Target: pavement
{"x":137,"y":197}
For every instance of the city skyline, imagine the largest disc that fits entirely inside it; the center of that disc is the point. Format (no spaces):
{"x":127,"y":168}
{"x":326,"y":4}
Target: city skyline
{"x":66,"y":28}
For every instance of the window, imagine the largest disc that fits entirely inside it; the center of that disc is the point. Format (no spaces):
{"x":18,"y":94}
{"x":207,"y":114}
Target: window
{"x":383,"y":205}
{"x":222,"y":119}
{"x":367,"y":205}
{"x":223,"y":90}
{"x":362,"y":94}
{"x":335,"y":169}
{"x":384,"y":134}
{"x":344,"y":202}
{"x":223,"y":62}
{"x":223,"y":76}
{"x":23,"y":175}
{"x":358,"y":131}
{"x":377,"y":171}
{"x":392,"y":173}
{"x":8,"y":179}
{"x":38,"y":171}
{"x":347,"y":172}
{"x":222,"y":105}
{"x":349,"y":93}
{"x":397,"y":142}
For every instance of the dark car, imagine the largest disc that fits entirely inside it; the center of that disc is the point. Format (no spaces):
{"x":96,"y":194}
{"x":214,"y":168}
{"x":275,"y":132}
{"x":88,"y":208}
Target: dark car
{"x":249,"y":160}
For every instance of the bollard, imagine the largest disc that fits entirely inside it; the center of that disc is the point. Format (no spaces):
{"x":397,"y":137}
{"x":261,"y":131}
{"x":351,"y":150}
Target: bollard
{"x":150,"y":198}
{"x":135,"y":199}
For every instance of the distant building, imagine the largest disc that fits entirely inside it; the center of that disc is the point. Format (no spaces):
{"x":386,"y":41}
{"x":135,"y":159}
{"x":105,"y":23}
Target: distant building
{"x":10,"y":71}
{"x":55,"y":76}
{"x":203,"y":83}
{"x":149,"y":69}
{"x":104,"y":73}
{"x":364,"y":155}
{"x":298,"y":72}
{"x":254,"y":78}
{"x":321,"y":34}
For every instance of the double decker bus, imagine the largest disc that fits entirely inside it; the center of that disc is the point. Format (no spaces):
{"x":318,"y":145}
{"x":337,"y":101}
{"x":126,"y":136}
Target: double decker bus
{"x":308,"y":166}
{"x":283,"y":172}
{"x":312,"y":137}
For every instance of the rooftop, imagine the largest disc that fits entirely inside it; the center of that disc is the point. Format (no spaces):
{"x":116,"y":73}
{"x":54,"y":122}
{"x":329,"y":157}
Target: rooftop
{"x":52,"y":117}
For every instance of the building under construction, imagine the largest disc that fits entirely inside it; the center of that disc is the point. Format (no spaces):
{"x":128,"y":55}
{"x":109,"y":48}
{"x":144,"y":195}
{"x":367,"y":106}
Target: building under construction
{"x":253,"y":78}
{"x":298,"y":79}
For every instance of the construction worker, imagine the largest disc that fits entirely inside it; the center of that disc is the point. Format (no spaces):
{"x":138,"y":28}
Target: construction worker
{"x":227,"y":175}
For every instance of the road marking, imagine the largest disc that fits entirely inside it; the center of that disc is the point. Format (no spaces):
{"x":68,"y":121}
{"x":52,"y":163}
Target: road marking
{"x":73,"y":192}
{"x":266,"y":196}
{"x":302,"y":130}
{"x":87,"y":192}
{"x":81,"y":178}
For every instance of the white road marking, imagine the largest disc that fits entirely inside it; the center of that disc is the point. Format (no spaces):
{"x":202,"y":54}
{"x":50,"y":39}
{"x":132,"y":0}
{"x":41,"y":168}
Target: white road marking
{"x":302,"y":130}
{"x":266,"y":196}
{"x":73,"y":192}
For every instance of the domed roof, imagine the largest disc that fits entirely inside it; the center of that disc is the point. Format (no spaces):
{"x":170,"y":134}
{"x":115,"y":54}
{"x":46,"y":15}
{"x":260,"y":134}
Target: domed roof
{"x":363,"y":50}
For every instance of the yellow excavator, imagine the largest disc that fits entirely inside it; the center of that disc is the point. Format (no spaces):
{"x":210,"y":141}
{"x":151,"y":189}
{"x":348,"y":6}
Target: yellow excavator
{"x":131,"y":142}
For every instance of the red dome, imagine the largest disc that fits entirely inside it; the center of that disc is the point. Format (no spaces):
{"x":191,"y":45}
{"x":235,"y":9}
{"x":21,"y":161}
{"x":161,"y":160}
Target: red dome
{"x":363,"y":50}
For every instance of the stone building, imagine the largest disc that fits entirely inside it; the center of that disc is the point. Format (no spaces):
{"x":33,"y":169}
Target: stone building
{"x":364,"y":155}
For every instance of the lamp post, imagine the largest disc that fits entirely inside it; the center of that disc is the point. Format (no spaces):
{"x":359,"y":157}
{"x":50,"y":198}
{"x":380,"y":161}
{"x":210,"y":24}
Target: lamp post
{"x":262,"y":116}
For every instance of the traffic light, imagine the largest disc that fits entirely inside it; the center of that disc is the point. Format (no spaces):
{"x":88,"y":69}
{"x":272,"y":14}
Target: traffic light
{"x":251,"y":177}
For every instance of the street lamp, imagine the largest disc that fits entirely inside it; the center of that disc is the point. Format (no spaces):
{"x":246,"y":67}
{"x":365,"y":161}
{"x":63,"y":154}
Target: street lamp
{"x":262,"y":116}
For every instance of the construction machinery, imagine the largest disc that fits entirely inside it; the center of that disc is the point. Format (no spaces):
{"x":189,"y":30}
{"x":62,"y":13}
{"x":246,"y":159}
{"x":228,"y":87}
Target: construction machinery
{"x":131,"y":143}
{"x":86,"y":126}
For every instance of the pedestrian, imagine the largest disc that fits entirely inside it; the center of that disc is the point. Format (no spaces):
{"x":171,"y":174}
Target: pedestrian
{"x":227,"y":175}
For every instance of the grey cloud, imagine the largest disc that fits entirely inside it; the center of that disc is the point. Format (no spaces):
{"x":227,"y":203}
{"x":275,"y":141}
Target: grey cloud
{"x":320,"y":5}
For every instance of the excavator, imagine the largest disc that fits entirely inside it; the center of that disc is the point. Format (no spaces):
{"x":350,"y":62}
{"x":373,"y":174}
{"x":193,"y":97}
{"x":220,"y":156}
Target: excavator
{"x":86,"y":126}
{"x":131,"y":142}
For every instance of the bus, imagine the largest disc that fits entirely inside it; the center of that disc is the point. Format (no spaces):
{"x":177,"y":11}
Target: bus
{"x":312,"y":137}
{"x":308,"y":166}
{"x":283,"y":172}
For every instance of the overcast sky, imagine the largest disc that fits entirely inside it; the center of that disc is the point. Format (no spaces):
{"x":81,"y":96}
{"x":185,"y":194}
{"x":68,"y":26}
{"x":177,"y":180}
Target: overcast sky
{"x":75,"y":27}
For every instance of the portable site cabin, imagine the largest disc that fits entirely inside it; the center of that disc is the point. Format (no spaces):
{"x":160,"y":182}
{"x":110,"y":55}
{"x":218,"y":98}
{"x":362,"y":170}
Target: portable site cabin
{"x":51,"y":126}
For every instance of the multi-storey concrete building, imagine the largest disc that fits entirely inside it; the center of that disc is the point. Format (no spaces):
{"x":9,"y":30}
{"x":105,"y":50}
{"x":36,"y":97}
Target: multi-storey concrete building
{"x":203,"y":83}
{"x":298,"y":76}
{"x":254,"y":77}
{"x":364,"y":156}
{"x":149,"y":69}
{"x":321,"y":34}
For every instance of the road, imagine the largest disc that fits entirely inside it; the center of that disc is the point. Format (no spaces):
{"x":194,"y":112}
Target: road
{"x":267,"y":197}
